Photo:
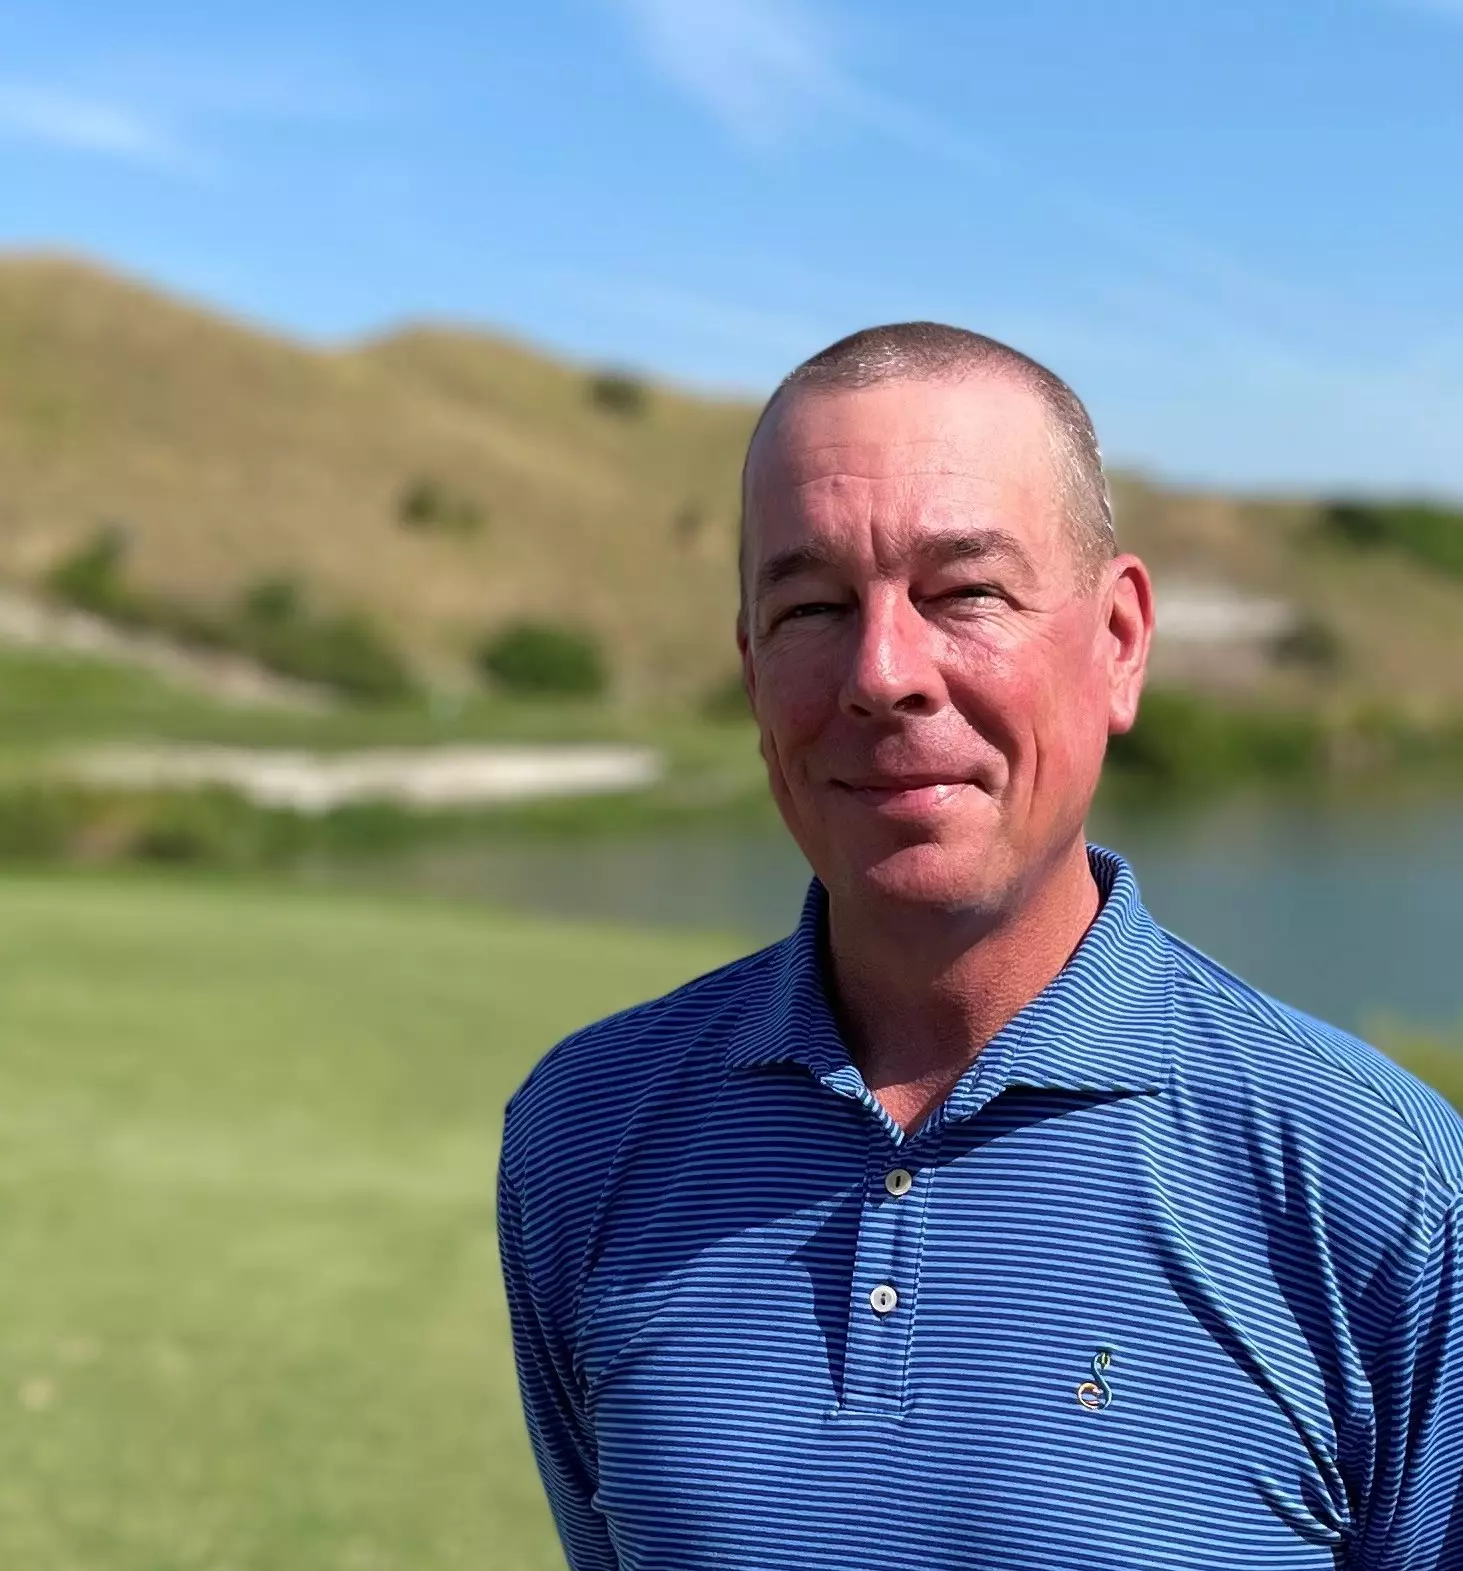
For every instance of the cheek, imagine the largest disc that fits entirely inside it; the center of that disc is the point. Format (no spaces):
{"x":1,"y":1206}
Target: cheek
{"x":1004,"y":687}
{"x":1039,"y":699}
{"x":1073,"y":712}
{"x":795,"y":697}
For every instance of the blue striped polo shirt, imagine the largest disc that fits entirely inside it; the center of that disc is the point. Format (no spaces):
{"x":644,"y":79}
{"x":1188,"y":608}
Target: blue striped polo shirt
{"x":1173,"y":1278}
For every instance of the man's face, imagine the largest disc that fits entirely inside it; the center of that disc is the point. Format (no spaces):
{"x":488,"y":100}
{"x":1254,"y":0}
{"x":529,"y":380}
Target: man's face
{"x":934,"y":681}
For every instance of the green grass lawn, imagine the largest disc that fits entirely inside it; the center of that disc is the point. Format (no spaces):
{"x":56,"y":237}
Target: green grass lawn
{"x":252,"y":1318}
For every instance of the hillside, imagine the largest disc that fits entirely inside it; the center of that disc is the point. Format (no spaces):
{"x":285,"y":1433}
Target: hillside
{"x":230,"y":455}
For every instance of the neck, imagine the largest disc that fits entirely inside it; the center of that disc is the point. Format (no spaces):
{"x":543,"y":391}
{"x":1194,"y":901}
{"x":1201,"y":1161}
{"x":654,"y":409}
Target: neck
{"x":920,"y":993}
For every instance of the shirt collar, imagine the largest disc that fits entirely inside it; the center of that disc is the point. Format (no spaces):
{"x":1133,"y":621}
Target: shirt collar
{"x":1102,"y":1024}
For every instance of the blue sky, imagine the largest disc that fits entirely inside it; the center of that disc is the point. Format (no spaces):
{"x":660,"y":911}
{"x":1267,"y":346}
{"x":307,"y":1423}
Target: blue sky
{"x":1236,"y":227}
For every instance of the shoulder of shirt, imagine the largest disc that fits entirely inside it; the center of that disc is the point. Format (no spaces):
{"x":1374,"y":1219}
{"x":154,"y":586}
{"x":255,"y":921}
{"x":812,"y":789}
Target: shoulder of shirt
{"x":619,"y":1064}
{"x":1316,"y":1069}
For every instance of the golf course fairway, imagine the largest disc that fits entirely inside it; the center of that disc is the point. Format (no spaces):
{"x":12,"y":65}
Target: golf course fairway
{"x":252,"y":1318}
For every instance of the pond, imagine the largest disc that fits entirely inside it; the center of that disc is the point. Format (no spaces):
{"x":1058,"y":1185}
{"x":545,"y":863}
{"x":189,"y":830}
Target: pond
{"x":1353,"y":912}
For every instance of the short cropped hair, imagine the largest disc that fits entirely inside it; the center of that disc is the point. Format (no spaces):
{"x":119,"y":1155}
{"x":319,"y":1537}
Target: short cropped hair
{"x":936,"y":352}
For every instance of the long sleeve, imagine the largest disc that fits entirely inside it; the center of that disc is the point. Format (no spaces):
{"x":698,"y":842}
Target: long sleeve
{"x":1412,"y":1519}
{"x":563,"y":1449}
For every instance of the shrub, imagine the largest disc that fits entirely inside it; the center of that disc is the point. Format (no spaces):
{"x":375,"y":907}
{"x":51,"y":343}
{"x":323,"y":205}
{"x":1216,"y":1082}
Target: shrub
{"x":619,"y":393}
{"x":427,"y":506}
{"x":536,"y":659}
{"x":1429,"y":534}
{"x":91,"y":577}
{"x":272,"y":602}
{"x":1184,"y":743}
{"x":272,"y":623}
{"x":92,"y":580}
{"x":344,"y":651}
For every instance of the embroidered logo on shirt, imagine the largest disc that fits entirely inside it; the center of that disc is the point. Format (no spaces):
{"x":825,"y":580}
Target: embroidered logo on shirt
{"x":1096,"y":1394}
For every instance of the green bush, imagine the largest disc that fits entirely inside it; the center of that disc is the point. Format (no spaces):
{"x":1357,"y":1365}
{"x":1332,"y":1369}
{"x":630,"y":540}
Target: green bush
{"x":345,"y":651}
{"x":619,"y":393}
{"x":272,"y":623}
{"x":1184,"y":743}
{"x":55,"y":821}
{"x":427,"y":506}
{"x":1427,"y":533}
{"x":91,"y":577}
{"x":536,"y":659}
{"x":272,"y":602}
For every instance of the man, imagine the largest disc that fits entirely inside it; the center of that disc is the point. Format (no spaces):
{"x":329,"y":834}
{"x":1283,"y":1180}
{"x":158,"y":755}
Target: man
{"x":980,"y":1223}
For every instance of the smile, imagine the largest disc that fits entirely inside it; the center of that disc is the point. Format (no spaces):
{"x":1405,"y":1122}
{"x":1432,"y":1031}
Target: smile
{"x":916,"y":794}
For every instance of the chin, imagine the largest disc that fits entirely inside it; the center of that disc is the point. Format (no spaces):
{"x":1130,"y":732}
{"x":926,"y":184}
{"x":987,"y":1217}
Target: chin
{"x":930,"y":876}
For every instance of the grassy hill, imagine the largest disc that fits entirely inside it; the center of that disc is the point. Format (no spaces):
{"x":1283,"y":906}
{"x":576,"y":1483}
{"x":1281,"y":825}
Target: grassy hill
{"x":231,"y":456}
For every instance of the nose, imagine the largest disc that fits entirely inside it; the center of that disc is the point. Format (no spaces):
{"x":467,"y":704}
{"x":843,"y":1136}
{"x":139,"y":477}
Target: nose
{"x":892,"y":669}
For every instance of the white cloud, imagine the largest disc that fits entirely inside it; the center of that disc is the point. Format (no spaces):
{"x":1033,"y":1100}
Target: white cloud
{"x":85,"y":125}
{"x":765,"y":67}
{"x":89,"y":115}
{"x":759,"y":66}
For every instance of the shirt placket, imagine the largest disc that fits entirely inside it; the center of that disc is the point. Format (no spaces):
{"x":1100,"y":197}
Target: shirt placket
{"x":884,"y":1294}
{"x":899,"y":1176}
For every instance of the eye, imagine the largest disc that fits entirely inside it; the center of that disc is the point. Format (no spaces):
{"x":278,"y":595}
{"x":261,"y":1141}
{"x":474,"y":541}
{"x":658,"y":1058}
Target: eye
{"x":975,"y":593}
{"x":808,"y":609}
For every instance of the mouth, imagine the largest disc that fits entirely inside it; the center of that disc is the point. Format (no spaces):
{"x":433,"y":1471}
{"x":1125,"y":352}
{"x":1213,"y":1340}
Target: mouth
{"x":905,"y":794}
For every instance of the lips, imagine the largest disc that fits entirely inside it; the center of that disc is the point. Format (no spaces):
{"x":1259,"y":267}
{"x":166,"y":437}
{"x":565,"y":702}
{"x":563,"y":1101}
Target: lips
{"x":908,"y":793}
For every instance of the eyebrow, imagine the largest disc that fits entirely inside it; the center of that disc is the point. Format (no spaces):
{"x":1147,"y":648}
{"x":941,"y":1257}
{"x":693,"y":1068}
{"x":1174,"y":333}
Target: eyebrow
{"x":972,"y":544}
{"x":789,"y":564}
{"x":960,"y":546}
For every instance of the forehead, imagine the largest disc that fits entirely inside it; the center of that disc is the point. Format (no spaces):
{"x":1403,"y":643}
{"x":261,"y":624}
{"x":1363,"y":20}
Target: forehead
{"x":901,"y":459}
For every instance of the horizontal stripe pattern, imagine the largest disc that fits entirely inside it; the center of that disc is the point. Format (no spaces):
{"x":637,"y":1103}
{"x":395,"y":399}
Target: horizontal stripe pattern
{"x":1176,"y":1280}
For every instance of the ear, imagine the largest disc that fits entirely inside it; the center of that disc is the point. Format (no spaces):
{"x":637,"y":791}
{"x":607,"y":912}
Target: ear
{"x":1128,"y":633}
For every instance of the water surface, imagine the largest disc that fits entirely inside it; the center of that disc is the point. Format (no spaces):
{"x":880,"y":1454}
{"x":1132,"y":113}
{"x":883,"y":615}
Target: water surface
{"x":1352,"y":912}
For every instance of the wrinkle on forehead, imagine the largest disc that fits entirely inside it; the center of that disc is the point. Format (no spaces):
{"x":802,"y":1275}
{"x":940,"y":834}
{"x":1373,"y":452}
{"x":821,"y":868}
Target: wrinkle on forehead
{"x":993,"y":432}
{"x":838,"y":482}
{"x":895,"y":451}
{"x":901,"y":500}
{"x":793,"y":468}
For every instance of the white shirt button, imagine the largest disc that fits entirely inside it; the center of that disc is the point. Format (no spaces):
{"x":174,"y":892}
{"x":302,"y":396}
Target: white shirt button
{"x":899,"y":1182}
{"x":883,"y":1299}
